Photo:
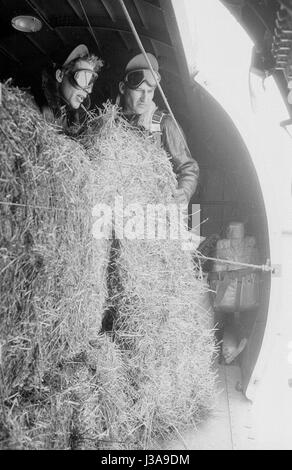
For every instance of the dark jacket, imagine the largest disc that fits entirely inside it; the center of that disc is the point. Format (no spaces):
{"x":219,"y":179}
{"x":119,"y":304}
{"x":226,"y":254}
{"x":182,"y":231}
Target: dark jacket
{"x":184,"y":165}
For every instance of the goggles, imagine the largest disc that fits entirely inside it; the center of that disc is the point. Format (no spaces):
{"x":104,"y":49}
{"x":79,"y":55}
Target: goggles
{"x":83,"y":78}
{"x":135,"y":78}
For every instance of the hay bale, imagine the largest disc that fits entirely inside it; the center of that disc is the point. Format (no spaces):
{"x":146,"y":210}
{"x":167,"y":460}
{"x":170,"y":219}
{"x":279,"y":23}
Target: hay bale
{"x":164,"y":329}
{"x":53,"y":274}
{"x":93,"y":403}
{"x":63,"y":384}
{"x":127,"y":159}
{"x":162,"y":326}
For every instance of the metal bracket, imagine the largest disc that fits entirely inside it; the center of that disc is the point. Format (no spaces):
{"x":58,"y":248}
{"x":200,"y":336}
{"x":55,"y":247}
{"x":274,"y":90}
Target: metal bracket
{"x":276,"y":270}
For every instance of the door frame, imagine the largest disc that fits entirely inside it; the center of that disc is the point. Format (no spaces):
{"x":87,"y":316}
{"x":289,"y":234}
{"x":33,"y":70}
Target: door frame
{"x":180,"y":25}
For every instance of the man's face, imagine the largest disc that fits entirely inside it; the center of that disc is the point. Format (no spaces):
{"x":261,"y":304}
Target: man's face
{"x":75,"y":96}
{"x":139,"y":100}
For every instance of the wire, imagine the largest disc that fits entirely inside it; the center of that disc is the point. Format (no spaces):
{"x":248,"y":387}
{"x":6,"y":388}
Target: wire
{"x":132,"y":26}
{"x":32,"y":206}
{"x":88,"y":22}
{"x":38,"y":12}
{"x":264,"y":267}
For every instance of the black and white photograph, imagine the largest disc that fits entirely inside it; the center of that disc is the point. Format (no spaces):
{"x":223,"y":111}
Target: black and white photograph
{"x":145,"y":228}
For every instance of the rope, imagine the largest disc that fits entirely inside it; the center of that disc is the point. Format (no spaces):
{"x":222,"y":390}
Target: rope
{"x":134,"y":31}
{"x":33,"y":7}
{"x":90,"y":27}
{"x":263,"y":267}
{"x":32,"y":206}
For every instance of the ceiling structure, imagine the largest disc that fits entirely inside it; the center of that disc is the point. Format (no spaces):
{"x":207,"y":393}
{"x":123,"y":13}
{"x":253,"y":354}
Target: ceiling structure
{"x":269,"y":23}
{"x":102,"y":26}
{"x":66,"y":24}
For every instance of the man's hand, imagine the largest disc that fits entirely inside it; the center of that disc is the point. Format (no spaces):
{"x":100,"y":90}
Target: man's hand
{"x":180,"y":197}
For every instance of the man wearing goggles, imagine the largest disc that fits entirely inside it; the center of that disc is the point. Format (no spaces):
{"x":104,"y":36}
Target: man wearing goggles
{"x":135,"y":78}
{"x":136,"y":99}
{"x":66,"y":89}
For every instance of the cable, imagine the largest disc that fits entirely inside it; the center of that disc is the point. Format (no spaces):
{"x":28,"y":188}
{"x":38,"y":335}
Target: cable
{"x":88,"y":22}
{"x":38,"y":12}
{"x":132,"y":26}
{"x":264,"y":267}
{"x":32,"y":206}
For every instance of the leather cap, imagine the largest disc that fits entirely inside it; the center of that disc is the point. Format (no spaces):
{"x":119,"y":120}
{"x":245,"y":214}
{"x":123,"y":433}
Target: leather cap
{"x":79,"y":52}
{"x":139,"y":62}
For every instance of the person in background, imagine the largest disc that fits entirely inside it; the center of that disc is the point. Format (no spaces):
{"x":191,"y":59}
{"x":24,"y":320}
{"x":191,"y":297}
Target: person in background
{"x":66,"y":89}
{"x":136,"y":93}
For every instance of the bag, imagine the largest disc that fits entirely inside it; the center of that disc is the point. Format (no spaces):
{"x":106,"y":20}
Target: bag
{"x":235,"y":291}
